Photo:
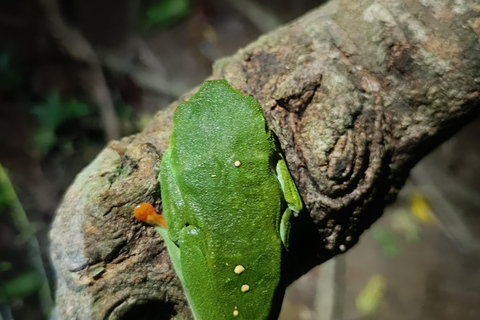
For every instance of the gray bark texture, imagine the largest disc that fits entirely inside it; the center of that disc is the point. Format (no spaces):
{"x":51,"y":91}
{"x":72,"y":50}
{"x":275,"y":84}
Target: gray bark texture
{"x":357,"y":93}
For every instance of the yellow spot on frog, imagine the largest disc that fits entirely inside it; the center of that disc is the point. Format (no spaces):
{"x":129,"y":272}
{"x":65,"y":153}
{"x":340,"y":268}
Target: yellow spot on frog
{"x":214,"y":175}
{"x":245,"y":288}
{"x":235,"y":312}
{"x":239,"y":269}
{"x":237,"y":163}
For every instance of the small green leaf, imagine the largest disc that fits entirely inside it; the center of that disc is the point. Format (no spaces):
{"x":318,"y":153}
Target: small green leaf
{"x":5,"y":266}
{"x":51,"y":114}
{"x":20,"y":286}
{"x":7,"y":194}
{"x":125,"y":111}
{"x":369,"y":299}
{"x":54,"y":111}
{"x":9,"y":77}
{"x":44,"y":139}
{"x":387,"y":240}
{"x":403,"y":221}
{"x":166,"y":12}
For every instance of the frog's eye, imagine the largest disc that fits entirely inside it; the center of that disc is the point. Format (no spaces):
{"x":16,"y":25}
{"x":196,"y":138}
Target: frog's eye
{"x":142,"y":211}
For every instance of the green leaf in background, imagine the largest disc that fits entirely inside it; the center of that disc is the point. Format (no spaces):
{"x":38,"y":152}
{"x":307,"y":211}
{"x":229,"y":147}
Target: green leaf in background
{"x":5,"y":266}
{"x":51,"y":114}
{"x":9,"y":200}
{"x":20,"y":286}
{"x":125,"y":111}
{"x":368,"y":300}
{"x":404,"y":222}
{"x":24,"y":283}
{"x":7,"y":194}
{"x":9,"y":77}
{"x":166,"y":12}
{"x":387,"y":241}
{"x":129,"y":120}
{"x":144,"y":120}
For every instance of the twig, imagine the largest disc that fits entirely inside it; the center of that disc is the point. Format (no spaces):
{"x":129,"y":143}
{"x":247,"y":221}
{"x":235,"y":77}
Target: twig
{"x":331,"y":289}
{"x":27,"y":234}
{"x":264,"y":20}
{"x":149,"y":73}
{"x":78,"y":48}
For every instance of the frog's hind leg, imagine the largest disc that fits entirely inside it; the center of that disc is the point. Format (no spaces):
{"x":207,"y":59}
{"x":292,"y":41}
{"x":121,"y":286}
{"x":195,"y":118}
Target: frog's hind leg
{"x":198,"y":279}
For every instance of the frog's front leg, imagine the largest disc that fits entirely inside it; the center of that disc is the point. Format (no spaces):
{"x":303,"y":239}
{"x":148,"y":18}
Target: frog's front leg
{"x":291,"y":196}
{"x":146,"y":213}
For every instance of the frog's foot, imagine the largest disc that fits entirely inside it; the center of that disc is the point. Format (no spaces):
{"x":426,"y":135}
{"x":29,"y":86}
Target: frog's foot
{"x":146,"y":213}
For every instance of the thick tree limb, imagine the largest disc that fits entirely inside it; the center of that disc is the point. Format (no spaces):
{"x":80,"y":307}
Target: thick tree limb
{"x":357,"y":93}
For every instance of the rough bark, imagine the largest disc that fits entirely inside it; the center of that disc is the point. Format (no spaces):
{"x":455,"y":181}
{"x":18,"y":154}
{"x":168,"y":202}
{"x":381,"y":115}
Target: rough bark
{"x":356,"y":91}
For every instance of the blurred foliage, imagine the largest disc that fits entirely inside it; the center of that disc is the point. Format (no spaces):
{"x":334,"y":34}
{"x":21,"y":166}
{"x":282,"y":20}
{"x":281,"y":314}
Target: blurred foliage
{"x":7,"y":195}
{"x":125,"y":111}
{"x":369,"y":299}
{"x":9,"y":77}
{"x":165,"y":13}
{"x":387,"y":241}
{"x":5,"y":266}
{"x":16,"y":282}
{"x":51,"y":114}
{"x":421,"y":209}
{"x":10,"y":203}
{"x":144,"y":120}
{"x":22,"y":285}
{"x":404,"y":222}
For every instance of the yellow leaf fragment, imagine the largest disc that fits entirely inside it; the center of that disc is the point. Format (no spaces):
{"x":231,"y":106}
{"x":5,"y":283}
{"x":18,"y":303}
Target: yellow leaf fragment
{"x":368,"y":300}
{"x":421,"y":209}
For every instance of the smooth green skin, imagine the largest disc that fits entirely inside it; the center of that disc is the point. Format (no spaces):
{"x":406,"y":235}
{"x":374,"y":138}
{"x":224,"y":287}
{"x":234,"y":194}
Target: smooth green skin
{"x":218,"y":215}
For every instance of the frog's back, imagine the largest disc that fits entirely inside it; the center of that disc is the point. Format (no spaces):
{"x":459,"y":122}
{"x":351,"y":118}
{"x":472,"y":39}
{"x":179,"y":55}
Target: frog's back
{"x":223,"y":157}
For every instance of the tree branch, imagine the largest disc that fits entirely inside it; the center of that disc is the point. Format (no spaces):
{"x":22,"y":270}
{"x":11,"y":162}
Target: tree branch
{"x":357,"y":93}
